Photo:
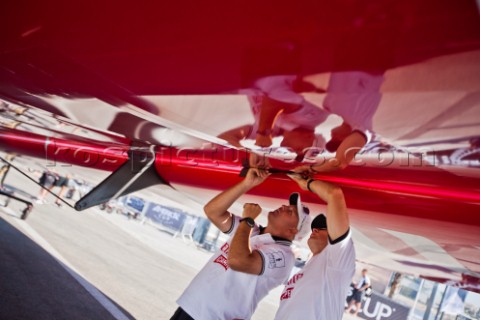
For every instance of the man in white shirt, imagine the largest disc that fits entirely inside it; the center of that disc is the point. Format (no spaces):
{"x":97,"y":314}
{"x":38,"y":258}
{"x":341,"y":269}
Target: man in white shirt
{"x":251,"y":263}
{"x":359,"y":293}
{"x":319,"y":290}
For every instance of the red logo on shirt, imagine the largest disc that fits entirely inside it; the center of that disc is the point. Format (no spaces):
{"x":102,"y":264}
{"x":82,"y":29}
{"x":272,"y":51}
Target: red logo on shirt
{"x":288,"y":291}
{"x":294,"y":279}
{"x":287,"y":294}
{"x":225,"y":248}
{"x":221,"y":260}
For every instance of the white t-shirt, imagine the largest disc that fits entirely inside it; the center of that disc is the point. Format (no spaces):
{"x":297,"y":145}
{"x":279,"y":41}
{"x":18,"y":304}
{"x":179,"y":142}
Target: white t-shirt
{"x":279,"y":88}
{"x":363,"y":281}
{"x":218,"y":292}
{"x":354,"y":96}
{"x":320,"y":289}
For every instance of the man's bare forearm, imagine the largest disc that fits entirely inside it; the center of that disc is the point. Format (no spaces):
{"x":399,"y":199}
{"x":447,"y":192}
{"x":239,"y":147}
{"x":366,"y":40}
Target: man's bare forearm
{"x":330,"y":165}
{"x":219,"y":204}
{"x":240,"y":257}
{"x":217,"y":208}
{"x":240,"y":246}
{"x":337,"y":216}
{"x":323,"y":189}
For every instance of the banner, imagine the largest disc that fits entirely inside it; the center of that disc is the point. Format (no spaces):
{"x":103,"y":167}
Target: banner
{"x":380,"y":307}
{"x":167,"y":217}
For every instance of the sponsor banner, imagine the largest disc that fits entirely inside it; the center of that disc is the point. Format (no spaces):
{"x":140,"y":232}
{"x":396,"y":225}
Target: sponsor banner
{"x":380,"y":307}
{"x":168,"y":217}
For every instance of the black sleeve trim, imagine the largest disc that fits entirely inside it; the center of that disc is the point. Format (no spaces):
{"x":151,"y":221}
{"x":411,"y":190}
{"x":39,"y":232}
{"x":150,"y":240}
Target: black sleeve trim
{"x":263,"y":263}
{"x":231,"y":227}
{"x":339,"y":239}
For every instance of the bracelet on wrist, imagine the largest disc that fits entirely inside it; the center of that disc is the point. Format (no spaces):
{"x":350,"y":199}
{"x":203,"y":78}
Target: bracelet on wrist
{"x":309,"y":183}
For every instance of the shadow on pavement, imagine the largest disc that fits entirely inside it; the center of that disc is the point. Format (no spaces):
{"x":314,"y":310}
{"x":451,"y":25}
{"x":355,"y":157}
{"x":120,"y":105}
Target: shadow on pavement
{"x":34,"y":285}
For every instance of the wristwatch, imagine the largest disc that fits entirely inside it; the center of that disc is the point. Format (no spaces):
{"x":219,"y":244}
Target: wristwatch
{"x":250,"y":222}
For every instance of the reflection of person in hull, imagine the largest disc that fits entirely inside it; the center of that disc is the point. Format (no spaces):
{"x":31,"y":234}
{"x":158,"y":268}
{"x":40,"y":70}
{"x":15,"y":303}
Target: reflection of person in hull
{"x":283,"y":111}
{"x":251,"y":263}
{"x":319,"y":290}
{"x":280,"y":112}
{"x":466,"y":156}
{"x":354,"y":96}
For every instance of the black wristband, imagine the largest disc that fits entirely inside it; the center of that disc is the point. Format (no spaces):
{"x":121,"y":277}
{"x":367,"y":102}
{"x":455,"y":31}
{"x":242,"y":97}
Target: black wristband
{"x":309,"y":183}
{"x":249,"y":221}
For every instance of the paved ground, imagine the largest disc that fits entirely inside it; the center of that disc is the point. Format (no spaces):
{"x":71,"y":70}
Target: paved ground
{"x":62,"y":264}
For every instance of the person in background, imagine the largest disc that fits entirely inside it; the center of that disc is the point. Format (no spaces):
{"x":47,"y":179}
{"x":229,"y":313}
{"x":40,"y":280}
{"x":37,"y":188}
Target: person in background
{"x":63,"y":183}
{"x":359,"y":293}
{"x":47,"y":182}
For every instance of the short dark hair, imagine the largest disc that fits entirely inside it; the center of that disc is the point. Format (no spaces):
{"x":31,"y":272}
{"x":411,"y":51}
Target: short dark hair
{"x":320,"y":222}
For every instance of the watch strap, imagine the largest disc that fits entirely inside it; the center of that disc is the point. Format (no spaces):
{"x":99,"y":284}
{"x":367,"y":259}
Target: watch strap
{"x":250,"y":222}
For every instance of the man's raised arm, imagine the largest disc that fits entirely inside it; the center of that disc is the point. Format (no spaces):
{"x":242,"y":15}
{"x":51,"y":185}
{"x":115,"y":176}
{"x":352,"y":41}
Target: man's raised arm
{"x":217,"y":208}
{"x":337,"y":215}
{"x":344,"y":155}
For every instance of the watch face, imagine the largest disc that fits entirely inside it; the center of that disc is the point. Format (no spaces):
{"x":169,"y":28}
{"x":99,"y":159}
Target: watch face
{"x":249,"y":221}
